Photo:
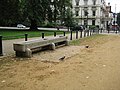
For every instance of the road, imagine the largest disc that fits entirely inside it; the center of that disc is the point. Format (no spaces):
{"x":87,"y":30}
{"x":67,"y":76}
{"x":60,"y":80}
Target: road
{"x":40,"y":28}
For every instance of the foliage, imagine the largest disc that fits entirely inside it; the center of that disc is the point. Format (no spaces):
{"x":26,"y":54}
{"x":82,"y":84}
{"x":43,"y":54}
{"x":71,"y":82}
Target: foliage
{"x":63,"y":9}
{"x":9,"y":12}
{"x":92,"y":26}
{"x":51,"y":25}
{"x":34,"y":13}
{"x":69,"y":21}
{"x":118,"y":19}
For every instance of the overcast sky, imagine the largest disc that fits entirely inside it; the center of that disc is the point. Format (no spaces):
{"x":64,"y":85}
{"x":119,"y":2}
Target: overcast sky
{"x":112,"y":3}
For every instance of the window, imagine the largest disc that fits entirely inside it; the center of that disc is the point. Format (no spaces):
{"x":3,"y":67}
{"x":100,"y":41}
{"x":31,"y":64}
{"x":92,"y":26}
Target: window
{"x":77,"y":2}
{"x":94,"y":2}
{"x":93,"y":22}
{"x":85,"y":8}
{"x":85,"y":22}
{"x":85,"y":13}
{"x":85,"y":2}
{"x":77,"y":13}
{"x":94,"y":8}
{"x":94,"y":13}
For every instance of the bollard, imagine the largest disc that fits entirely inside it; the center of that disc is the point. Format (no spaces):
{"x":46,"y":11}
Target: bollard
{"x":116,"y":32}
{"x":90,"y":33}
{"x":98,"y":31}
{"x":54,"y":34}
{"x":108,"y":31}
{"x":71,"y":35}
{"x":64,"y":33}
{"x":1,"y":49}
{"x":76,"y":34}
{"x":85,"y":33}
{"x":101,"y":30}
{"x":81,"y":34}
{"x":43,"y":35}
{"x":26,"y":37}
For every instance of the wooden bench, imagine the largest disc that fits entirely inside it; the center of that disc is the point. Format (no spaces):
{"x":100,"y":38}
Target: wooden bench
{"x":26,"y":48}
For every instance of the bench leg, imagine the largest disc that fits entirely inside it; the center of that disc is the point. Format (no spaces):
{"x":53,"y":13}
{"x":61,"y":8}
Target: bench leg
{"x":28,"y":53}
{"x":52,"y":46}
{"x":19,"y":54}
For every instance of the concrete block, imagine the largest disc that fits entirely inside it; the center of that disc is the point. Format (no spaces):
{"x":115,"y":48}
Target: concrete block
{"x":25,"y":48}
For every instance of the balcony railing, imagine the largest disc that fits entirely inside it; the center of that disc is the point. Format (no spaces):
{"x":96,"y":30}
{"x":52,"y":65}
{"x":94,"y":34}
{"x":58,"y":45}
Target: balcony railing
{"x":84,"y":17}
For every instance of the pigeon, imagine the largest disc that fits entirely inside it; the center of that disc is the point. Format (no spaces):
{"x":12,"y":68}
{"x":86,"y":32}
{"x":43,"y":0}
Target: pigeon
{"x":62,"y":58}
{"x":86,"y":46}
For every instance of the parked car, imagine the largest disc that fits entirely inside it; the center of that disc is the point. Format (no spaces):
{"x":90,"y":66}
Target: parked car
{"x":77,"y":28}
{"x":21,"y":26}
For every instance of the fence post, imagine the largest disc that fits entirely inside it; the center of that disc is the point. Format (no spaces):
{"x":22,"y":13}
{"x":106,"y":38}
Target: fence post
{"x":98,"y":31}
{"x":71,"y":35}
{"x":54,"y":34}
{"x":101,"y":30}
{"x":43,"y":35}
{"x":93,"y":31}
{"x":108,"y":30}
{"x":90,"y":32}
{"x":116,"y":31}
{"x":1,"y":49}
{"x":85,"y":33}
{"x":76,"y":34}
{"x":81,"y":34}
{"x":64,"y":33}
{"x":26,"y":37}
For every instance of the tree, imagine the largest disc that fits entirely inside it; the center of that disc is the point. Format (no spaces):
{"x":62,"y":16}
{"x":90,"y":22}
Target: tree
{"x":46,"y":4}
{"x":118,"y":19}
{"x":9,"y":12}
{"x":63,"y":5}
{"x":69,"y":21}
{"x":34,"y":11}
{"x":59,"y":9}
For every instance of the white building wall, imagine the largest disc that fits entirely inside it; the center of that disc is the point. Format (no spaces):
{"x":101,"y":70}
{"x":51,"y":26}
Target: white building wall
{"x":80,"y":8}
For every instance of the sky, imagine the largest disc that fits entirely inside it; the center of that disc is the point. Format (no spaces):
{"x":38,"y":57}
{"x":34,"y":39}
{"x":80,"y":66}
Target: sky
{"x":114,"y":3}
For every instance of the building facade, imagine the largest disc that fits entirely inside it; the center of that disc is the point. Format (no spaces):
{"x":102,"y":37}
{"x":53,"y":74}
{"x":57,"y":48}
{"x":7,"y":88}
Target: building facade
{"x":91,"y":12}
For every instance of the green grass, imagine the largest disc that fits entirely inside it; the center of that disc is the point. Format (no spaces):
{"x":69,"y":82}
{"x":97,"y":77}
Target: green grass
{"x":87,"y":39}
{"x":15,"y":34}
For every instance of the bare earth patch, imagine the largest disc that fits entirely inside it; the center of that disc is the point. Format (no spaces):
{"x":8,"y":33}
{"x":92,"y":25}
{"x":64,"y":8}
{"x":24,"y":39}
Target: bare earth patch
{"x":93,"y":68}
{"x":54,"y":56}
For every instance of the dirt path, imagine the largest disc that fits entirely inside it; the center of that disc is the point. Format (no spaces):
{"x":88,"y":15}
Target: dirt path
{"x":93,"y":68}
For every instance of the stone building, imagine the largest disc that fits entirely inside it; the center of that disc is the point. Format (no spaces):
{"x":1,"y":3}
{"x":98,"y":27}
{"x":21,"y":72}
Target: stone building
{"x":92,"y":12}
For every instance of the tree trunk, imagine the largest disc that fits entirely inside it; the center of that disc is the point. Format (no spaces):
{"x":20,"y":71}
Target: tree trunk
{"x":33,"y":24}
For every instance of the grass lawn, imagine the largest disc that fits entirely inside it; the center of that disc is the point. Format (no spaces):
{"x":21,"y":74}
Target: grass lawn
{"x":14,"y":34}
{"x":85,"y":41}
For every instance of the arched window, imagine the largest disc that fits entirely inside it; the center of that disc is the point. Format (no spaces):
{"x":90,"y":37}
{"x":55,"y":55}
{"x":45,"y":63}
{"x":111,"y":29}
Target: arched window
{"x":85,"y":2}
{"x":77,"y":2}
{"x":94,"y":2}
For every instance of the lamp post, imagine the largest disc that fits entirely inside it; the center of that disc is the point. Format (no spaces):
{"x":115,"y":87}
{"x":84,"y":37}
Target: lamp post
{"x":86,"y":14}
{"x":87,"y":18}
{"x":81,"y":15}
{"x":115,"y":20}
